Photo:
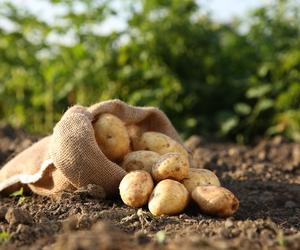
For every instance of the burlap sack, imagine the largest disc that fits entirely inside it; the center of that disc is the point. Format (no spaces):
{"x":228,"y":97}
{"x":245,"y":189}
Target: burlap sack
{"x":70,"y":158}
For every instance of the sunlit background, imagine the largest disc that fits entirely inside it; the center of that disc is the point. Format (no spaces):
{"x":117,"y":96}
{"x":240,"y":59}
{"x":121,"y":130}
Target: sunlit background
{"x":224,"y":68}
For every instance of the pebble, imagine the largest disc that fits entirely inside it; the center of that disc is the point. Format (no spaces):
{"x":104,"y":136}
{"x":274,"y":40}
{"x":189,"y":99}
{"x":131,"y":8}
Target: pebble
{"x":228,"y":223}
{"x":233,"y":152}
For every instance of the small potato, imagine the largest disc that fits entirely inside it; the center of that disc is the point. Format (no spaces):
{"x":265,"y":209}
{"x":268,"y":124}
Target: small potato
{"x":135,"y":188}
{"x":140,"y":160}
{"x":200,"y":177}
{"x":160,"y":143}
{"x":171,"y":166}
{"x":112,"y":136}
{"x":215,"y":200}
{"x":169,"y":197}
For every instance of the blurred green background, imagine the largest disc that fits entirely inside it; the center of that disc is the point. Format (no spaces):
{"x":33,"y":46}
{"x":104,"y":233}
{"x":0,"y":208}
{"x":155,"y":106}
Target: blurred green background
{"x":234,"y":80}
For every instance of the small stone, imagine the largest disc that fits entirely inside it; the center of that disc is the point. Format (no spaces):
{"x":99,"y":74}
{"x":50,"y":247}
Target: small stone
{"x":290,"y":204}
{"x":259,"y":167}
{"x":233,"y":152}
{"x":18,"y":216}
{"x":268,"y":176}
{"x":262,"y":155}
{"x":228,"y":223}
{"x":220,"y":162}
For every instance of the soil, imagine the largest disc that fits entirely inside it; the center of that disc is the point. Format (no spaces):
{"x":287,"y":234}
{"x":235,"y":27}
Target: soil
{"x":265,"y":177}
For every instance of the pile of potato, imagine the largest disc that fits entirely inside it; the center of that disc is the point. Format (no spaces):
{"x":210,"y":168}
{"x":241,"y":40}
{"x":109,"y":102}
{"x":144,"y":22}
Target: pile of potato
{"x":159,"y":171}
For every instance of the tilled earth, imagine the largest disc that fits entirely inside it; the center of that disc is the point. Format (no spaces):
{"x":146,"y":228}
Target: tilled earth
{"x":265,"y":177}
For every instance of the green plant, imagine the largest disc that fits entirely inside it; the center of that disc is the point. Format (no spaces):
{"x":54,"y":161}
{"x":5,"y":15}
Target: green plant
{"x":209,"y":77}
{"x":20,"y":194}
{"x":4,"y":236}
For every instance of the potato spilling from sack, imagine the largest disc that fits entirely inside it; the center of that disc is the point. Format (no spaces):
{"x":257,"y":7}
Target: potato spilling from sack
{"x":215,"y":200}
{"x":152,"y":158}
{"x":160,"y":143}
{"x":171,"y":166}
{"x":112,"y":136}
{"x":135,"y":188}
{"x":169,"y":197}
{"x":140,"y":160}
{"x":200,"y":177}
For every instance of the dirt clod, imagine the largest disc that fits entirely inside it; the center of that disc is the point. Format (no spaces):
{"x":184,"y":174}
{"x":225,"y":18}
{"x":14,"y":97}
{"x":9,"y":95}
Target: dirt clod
{"x":18,"y":216}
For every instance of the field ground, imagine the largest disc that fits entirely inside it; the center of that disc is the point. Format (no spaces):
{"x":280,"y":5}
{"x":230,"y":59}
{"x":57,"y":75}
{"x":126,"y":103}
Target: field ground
{"x":265,"y":177}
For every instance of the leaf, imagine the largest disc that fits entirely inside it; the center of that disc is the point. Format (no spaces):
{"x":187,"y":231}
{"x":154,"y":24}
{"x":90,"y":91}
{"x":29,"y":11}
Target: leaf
{"x":229,"y":124}
{"x":263,"y":105}
{"x":258,"y":91}
{"x":242,"y":108}
{"x":19,"y":192}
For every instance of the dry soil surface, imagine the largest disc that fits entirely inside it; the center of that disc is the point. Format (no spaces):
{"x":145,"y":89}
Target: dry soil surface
{"x":265,"y":177}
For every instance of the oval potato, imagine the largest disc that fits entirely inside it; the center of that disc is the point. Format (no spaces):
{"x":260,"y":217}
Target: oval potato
{"x":171,"y":166}
{"x":112,"y":136}
{"x":169,"y":197}
{"x":160,"y":143}
{"x":140,"y":160}
{"x":215,"y":200}
{"x":200,"y":177}
{"x":135,"y":188}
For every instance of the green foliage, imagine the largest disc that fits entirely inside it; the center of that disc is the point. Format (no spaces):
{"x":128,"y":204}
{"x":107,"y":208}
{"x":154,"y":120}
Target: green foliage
{"x":19,"y":193}
{"x":4,"y":236}
{"x":209,"y":77}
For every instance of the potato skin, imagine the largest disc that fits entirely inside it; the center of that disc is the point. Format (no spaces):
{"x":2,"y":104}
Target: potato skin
{"x":200,"y":177}
{"x":135,"y":132}
{"x":160,"y":143}
{"x":140,"y":160}
{"x":171,"y":166}
{"x":136,"y":188}
{"x":169,"y":197}
{"x":112,"y":136}
{"x":215,"y":200}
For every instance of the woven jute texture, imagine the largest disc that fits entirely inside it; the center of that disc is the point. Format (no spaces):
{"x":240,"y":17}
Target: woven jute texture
{"x":70,"y":158}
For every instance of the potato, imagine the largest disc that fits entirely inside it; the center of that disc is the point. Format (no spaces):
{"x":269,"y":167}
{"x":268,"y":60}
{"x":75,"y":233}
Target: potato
{"x":160,"y":143}
{"x":135,"y":132}
{"x":140,"y":160}
{"x":215,"y":200}
{"x":171,"y":166}
{"x":169,"y":197}
{"x":112,"y":136}
{"x":135,"y":188}
{"x":200,"y":177}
